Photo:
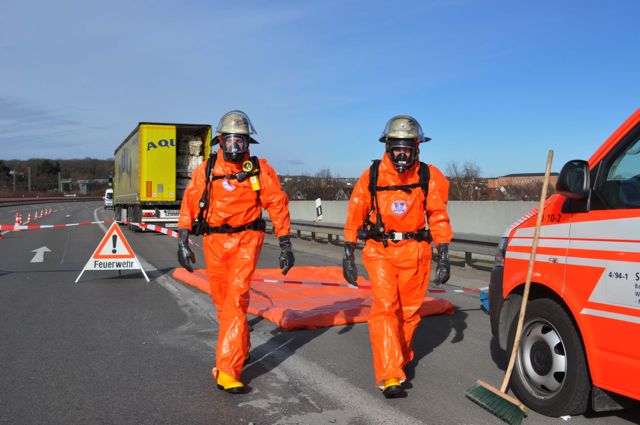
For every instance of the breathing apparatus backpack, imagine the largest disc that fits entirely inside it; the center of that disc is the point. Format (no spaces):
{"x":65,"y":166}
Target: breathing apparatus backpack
{"x":250,"y":170}
{"x":376,"y":231}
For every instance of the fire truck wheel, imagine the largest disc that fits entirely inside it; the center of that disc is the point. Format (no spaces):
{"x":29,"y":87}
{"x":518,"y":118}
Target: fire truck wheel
{"x":550,"y":375}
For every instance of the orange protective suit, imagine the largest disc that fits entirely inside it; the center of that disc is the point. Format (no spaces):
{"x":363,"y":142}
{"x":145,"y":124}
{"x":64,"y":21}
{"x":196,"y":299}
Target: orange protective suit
{"x":399,"y":273}
{"x":231,"y":258}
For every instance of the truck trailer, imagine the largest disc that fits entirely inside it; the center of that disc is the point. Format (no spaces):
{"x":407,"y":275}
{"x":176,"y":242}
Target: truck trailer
{"x":153,"y":166}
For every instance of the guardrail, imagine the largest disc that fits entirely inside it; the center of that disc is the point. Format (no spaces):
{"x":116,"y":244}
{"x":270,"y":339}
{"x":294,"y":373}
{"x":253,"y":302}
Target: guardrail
{"x":468,"y":243}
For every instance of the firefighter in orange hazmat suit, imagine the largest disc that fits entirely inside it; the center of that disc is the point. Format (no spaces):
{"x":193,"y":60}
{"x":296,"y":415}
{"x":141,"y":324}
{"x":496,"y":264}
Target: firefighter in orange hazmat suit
{"x":224,"y":201}
{"x":387,"y":210}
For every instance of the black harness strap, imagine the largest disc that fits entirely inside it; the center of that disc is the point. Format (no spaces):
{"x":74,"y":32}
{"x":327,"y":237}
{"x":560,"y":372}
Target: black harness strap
{"x":423,"y":173}
{"x":242,"y":175}
{"x":204,"y":199}
{"x":377,"y":230}
{"x":201,"y":226}
{"x":257,"y":224}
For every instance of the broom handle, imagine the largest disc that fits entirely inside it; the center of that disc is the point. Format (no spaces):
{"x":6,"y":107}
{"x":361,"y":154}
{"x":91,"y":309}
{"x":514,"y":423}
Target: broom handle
{"x":527,"y":284}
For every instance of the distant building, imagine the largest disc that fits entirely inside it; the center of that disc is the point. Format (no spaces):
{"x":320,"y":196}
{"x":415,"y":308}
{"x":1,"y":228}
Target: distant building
{"x":87,"y":186}
{"x":303,"y":187}
{"x":343,"y":194}
{"x":295,"y":195}
{"x":521,"y":179}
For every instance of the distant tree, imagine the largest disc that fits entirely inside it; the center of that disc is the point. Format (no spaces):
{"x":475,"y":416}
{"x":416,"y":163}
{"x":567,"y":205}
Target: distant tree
{"x":5,"y":177}
{"x":529,"y":192}
{"x":47,"y":167}
{"x":322,"y":184}
{"x":44,"y":173}
{"x":324,"y":173}
{"x":463,"y":181}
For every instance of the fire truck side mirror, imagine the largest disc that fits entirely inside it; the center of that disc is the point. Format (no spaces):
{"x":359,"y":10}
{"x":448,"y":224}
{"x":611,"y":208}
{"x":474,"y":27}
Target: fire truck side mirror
{"x":574,"y":181}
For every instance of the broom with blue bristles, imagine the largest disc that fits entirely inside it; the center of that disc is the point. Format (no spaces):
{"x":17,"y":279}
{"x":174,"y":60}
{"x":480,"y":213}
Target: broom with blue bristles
{"x":497,"y":401}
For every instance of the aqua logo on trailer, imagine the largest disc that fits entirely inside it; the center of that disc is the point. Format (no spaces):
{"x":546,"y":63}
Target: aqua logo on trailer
{"x":164,"y":143}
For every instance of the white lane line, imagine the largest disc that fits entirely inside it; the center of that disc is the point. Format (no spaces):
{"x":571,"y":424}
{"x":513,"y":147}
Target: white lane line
{"x":268,"y":354}
{"x":66,"y":243}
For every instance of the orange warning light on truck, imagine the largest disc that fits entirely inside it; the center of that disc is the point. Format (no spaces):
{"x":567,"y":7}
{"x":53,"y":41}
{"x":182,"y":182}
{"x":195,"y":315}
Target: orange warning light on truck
{"x":580,"y":344}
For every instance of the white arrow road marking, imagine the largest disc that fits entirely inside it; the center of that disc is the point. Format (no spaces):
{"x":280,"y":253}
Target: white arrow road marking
{"x":39,"y":257}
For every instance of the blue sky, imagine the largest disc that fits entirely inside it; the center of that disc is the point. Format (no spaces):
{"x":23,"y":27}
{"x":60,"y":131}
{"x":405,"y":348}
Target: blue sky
{"x":493,"y":82}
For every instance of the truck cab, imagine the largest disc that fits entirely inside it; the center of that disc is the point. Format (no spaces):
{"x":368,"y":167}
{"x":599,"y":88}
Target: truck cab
{"x":580,"y":345}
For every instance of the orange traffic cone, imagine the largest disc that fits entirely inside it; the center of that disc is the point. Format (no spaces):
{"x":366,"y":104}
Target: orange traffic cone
{"x":17,"y":222}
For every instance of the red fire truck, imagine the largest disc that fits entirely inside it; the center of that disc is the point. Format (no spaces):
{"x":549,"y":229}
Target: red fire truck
{"x":581,"y":335}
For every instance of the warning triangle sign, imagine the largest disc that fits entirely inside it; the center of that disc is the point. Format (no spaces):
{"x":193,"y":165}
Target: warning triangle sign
{"x":113,"y":253}
{"x":113,"y":245}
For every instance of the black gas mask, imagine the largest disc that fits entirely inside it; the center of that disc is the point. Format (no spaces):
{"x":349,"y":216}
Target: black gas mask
{"x":402,"y":153}
{"x":234,"y":146}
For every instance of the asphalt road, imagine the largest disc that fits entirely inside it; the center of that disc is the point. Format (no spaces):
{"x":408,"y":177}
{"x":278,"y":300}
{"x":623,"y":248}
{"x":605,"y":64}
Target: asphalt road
{"x":116,"y":349}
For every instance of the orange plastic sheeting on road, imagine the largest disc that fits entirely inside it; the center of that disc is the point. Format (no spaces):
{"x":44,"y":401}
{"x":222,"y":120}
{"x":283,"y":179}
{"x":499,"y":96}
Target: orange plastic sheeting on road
{"x":314,"y":301}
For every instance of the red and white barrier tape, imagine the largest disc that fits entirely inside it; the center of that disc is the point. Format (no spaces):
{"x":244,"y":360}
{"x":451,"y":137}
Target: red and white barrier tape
{"x":153,"y":227}
{"x":457,"y":291}
{"x":156,"y":228}
{"x":13,"y":227}
{"x":163,"y":230}
{"x":174,"y":234}
{"x":145,"y":226}
{"x":346,"y":285}
{"x":304,"y":282}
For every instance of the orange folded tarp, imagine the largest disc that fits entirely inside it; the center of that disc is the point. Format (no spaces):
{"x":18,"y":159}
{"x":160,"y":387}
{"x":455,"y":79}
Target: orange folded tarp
{"x":308,"y":297}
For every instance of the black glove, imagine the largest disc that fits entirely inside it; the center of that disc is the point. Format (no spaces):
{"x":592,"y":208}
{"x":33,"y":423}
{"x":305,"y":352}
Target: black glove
{"x":287,"y":260}
{"x":185,"y":255}
{"x":443,"y":268}
{"x":349,"y":269}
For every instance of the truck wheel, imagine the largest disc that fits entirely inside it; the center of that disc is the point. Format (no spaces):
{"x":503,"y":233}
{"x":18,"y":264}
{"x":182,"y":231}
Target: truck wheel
{"x":551,"y":374}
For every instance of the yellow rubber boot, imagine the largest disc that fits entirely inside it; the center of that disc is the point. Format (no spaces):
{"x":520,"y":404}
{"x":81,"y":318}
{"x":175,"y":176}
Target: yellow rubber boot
{"x":229,"y":384}
{"x":392,"y":388}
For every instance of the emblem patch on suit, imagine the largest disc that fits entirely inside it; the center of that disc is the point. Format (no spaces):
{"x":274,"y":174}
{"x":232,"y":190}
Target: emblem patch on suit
{"x":227,"y":186}
{"x":398,"y":207}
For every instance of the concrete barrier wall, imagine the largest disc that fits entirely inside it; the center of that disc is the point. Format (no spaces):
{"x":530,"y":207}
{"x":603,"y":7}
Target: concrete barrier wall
{"x":486,"y":217}
{"x":482,"y":217}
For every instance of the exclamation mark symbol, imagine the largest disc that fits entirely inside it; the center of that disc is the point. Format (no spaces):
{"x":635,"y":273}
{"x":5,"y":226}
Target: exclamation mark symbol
{"x":114,"y":240}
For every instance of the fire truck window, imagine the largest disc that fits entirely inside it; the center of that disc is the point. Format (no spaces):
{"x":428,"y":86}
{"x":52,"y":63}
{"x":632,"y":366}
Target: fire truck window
{"x":621,"y":188}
